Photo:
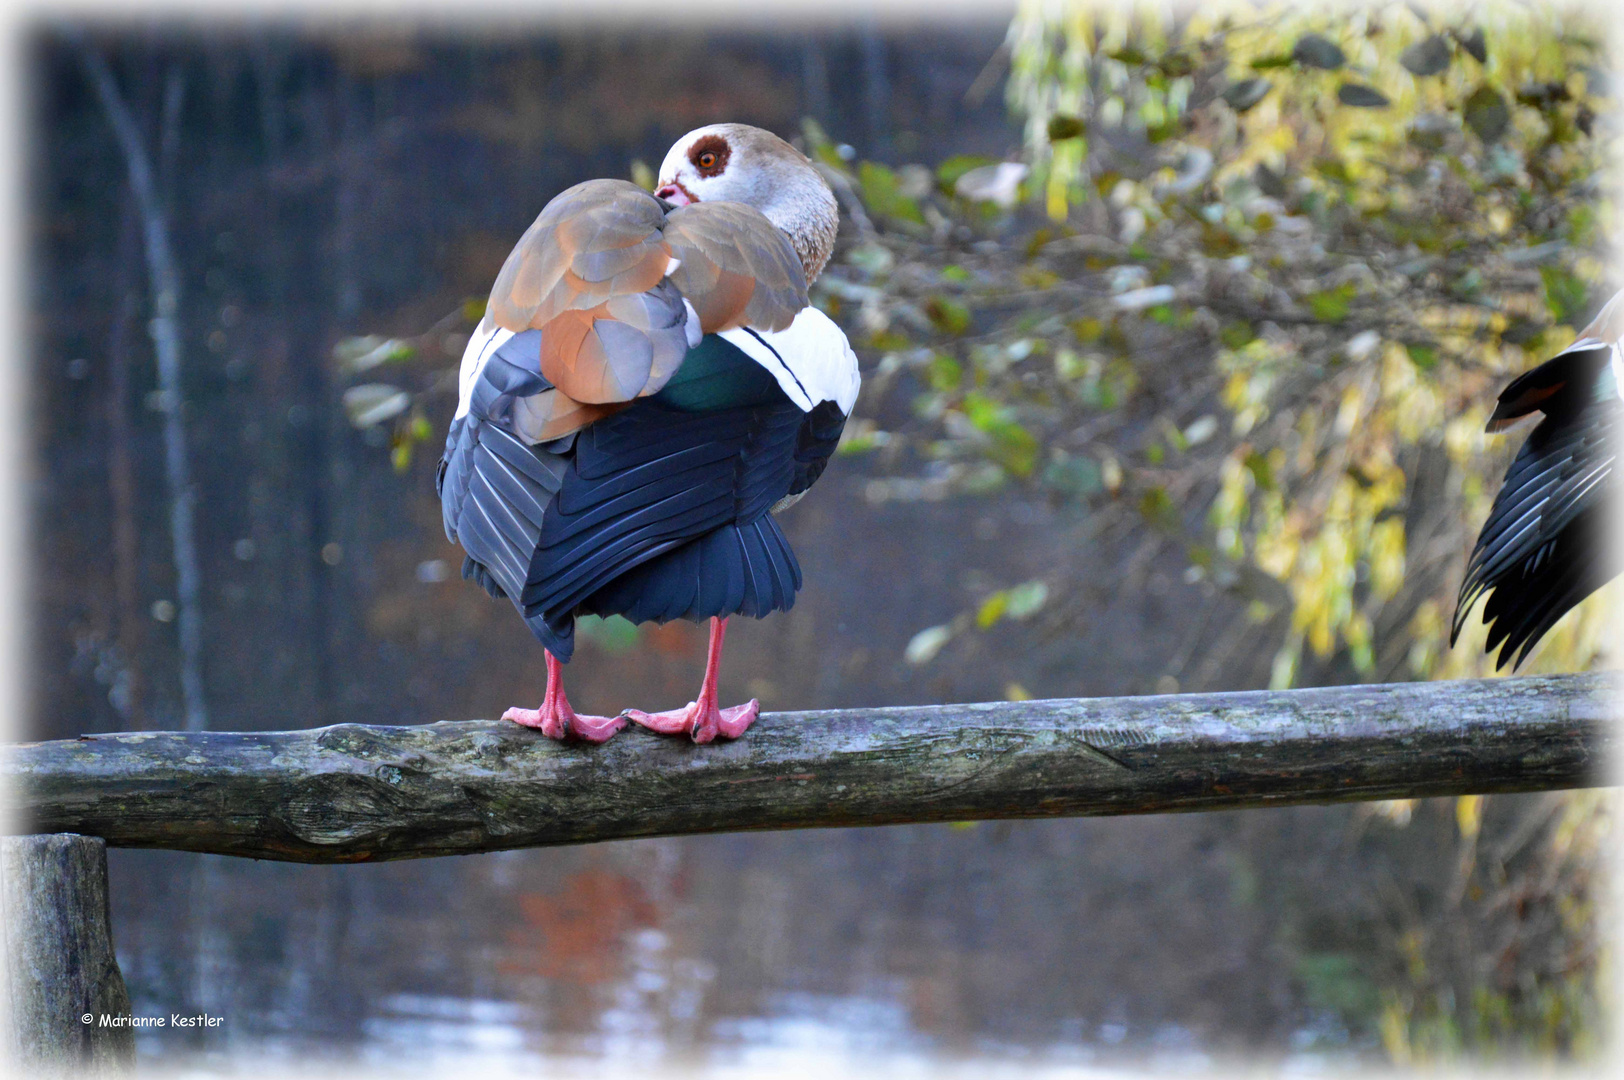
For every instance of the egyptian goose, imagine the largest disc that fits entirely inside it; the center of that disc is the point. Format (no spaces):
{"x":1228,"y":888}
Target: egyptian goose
{"x":1545,"y":545}
{"x":648,"y":386}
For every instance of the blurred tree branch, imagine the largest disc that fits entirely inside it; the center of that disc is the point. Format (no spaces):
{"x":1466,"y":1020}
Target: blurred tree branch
{"x":164,"y":277}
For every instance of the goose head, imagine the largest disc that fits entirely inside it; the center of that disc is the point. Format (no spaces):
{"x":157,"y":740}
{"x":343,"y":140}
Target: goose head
{"x":740,"y":163}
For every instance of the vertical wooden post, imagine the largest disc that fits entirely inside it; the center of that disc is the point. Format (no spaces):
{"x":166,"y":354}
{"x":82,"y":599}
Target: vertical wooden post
{"x":59,"y":961}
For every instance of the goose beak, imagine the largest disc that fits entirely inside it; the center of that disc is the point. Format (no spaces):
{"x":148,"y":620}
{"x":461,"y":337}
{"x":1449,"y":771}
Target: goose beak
{"x":675,"y":194}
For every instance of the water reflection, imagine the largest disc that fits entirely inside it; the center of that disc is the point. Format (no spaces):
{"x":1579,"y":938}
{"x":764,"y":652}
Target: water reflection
{"x":438,"y":1031}
{"x":1085,"y":945}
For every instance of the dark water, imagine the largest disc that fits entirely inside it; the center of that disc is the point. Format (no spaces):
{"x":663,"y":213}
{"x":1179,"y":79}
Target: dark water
{"x":328,"y":183}
{"x":1163,"y":941}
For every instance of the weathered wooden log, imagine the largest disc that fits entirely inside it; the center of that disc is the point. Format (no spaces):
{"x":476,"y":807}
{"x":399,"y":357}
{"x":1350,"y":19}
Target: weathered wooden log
{"x":351,"y":793}
{"x":59,"y":963}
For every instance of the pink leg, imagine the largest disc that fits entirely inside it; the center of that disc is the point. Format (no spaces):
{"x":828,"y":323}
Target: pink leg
{"x":556,"y":720}
{"x":702,"y":719}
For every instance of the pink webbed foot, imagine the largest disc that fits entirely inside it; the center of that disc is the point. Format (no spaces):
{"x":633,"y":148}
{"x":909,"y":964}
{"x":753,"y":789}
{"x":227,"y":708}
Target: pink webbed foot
{"x":562,"y":723}
{"x":703,"y":721}
{"x":556,"y":720}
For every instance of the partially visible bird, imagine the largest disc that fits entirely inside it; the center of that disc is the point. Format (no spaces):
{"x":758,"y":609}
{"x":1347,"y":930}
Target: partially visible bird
{"x":649,"y":384}
{"x":1545,"y":546}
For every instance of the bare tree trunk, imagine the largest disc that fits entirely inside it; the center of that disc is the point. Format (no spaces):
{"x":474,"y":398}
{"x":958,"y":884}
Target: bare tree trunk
{"x":121,"y":479}
{"x":169,"y":135}
{"x":346,"y":130}
{"x":350,"y":135}
{"x":164,"y":276}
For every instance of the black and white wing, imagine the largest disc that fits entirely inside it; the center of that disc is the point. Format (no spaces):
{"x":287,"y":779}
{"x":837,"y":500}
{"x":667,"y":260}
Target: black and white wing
{"x":494,"y":485}
{"x":1544,"y":546}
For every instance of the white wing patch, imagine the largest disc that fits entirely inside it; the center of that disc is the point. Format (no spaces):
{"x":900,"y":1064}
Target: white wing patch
{"x":485,"y":342}
{"x":1615,"y":353}
{"x":691,"y":327}
{"x":811,"y":359}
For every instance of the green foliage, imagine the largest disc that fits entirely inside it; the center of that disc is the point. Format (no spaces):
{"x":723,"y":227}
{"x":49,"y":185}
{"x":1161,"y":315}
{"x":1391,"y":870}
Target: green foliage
{"x":1486,"y":113}
{"x":948,"y":315}
{"x":1335,"y":981}
{"x":1544,"y":995}
{"x":1315,"y":51}
{"x":950,"y":170}
{"x":1062,"y":126}
{"x":1008,"y":443}
{"x":1565,"y":293}
{"x":392,"y":413}
{"x":1331,"y":305}
{"x":1243,"y":95}
{"x":883,"y":194}
{"x":944,"y":373}
{"x":1234,"y":335}
{"x":1429,"y":56}
{"x":1157,"y":508}
{"x":613,"y":635}
{"x":1422,"y":354}
{"x":1360,"y":96}
{"x":1460,"y":139}
{"x":357,"y":354}
{"x":1367,"y":221}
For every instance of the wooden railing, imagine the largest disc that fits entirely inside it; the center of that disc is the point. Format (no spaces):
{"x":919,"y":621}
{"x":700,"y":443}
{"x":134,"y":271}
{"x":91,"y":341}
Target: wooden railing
{"x":354,"y":793}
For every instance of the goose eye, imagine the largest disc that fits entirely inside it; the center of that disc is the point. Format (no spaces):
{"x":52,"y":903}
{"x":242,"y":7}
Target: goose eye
{"x":707,"y":160}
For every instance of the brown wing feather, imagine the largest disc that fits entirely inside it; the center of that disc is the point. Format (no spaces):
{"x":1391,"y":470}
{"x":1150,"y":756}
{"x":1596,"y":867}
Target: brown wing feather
{"x":593,"y":241}
{"x":553,"y":413}
{"x":738,"y":268}
{"x":589,"y":273}
{"x":597,"y":359}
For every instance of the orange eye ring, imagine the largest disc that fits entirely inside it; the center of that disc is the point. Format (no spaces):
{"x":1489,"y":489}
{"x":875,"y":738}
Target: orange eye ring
{"x":707,"y":160}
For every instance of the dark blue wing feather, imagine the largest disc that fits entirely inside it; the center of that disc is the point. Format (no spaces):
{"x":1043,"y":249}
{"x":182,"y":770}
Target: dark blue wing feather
{"x":658,"y":512}
{"x":647,"y":483}
{"x":738,"y":569}
{"x":815,"y":444}
{"x":494,"y":489}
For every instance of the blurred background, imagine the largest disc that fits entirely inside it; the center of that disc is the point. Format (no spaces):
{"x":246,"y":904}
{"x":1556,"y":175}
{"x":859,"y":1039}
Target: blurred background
{"x":1178,"y":331}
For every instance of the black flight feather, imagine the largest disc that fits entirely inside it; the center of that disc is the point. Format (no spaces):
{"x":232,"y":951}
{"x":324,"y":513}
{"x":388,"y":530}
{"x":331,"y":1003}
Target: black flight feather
{"x":1543,"y":549}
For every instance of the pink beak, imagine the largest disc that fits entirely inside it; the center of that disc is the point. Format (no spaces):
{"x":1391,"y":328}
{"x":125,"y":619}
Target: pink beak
{"x":674,"y":193}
